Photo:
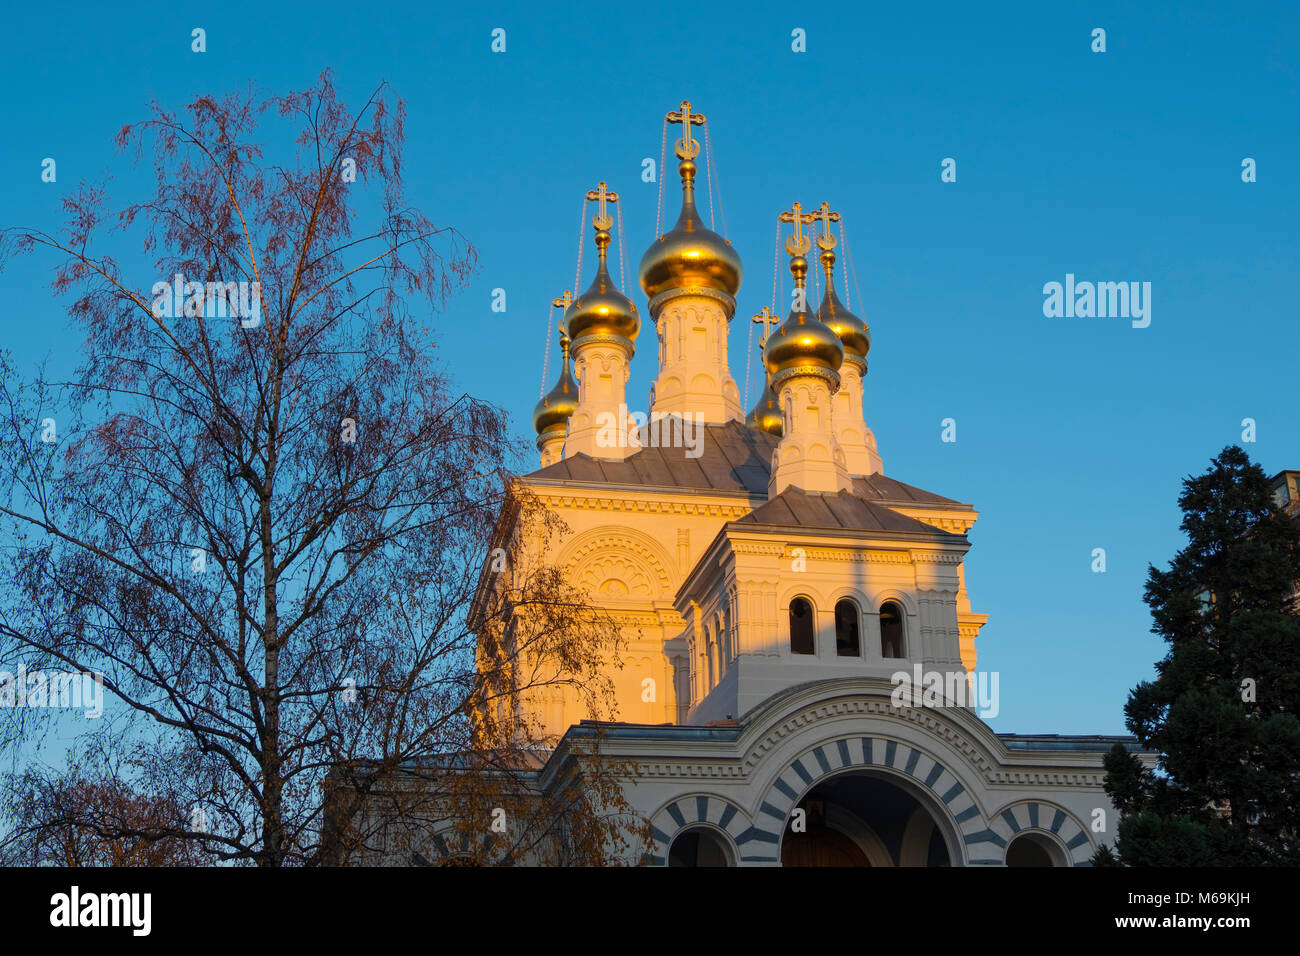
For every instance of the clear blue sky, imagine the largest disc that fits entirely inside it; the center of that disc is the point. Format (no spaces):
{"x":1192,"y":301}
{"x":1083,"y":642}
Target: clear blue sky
{"x":1073,"y":434}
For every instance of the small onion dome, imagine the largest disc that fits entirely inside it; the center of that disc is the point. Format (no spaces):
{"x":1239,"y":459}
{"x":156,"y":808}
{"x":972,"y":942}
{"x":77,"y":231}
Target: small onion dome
{"x":690,"y":255}
{"x":766,"y":416}
{"x":852,"y":331}
{"x":803,"y":340}
{"x":602,"y":309}
{"x":553,"y":411}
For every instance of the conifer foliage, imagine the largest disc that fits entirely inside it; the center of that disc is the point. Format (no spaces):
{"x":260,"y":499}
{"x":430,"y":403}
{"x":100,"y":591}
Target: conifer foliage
{"x":1224,"y":710}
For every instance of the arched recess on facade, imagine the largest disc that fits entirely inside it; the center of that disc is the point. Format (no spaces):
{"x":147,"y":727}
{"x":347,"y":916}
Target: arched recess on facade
{"x":613,"y":552}
{"x":453,"y":846}
{"x":803,"y":630}
{"x":942,"y":784}
{"x":698,"y":810}
{"x":933,"y":786}
{"x":801,"y":736}
{"x":1050,"y":824}
{"x":849,"y":623}
{"x":720,"y":644}
{"x":903,"y":599}
{"x":702,"y":845}
{"x":907,"y":633}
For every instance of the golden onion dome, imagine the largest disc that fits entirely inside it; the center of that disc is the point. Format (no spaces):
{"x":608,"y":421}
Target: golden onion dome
{"x":602,"y":309}
{"x":766,"y":415}
{"x":802,"y":340}
{"x":552,"y":413}
{"x":690,"y":255}
{"x":851,"y":330}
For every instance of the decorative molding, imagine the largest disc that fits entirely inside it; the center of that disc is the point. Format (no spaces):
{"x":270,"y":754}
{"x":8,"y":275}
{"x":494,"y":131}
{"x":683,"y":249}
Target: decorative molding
{"x":614,"y":575}
{"x":936,"y":557}
{"x":990,"y":773}
{"x":860,"y":557}
{"x":829,"y":376}
{"x":943,"y":520}
{"x":605,"y":545}
{"x":1040,"y":778}
{"x":648,"y":506}
{"x":663,"y":298}
{"x":601,"y":338}
{"x":758,"y":547}
{"x":924,"y":718}
{"x":684,"y":770}
{"x":634,"y":618}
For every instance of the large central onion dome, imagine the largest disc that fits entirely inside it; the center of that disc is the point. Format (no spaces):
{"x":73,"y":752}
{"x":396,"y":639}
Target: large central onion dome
{"x":690,"y":255}
{"x":852,"y":331}
{"x":602,"y":310}
{"x":802,"y":341}
{"x":551,"y":415}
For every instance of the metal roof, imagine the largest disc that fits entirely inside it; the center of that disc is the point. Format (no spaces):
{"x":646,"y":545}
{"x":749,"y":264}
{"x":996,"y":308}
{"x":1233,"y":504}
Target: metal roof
{"x":732,"y":458}
{"x":803,"y":509}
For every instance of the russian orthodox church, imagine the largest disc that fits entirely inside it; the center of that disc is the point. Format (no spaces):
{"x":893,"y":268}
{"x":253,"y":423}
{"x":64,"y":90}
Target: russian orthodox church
{"x":772,"y":583}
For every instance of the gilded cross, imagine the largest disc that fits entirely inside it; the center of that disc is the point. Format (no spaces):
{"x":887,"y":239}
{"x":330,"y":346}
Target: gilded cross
{"x":562,"y":303}
{"x":601,"y":220}
{"x":826,"y":240}
{"x":686,"y":148}
{"x":798,"y":244}
{"x":764,"y":318}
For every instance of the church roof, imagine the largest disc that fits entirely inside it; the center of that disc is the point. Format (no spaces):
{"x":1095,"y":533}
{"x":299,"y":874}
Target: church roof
{"x":816,"y":510}
{"x":879,"y":488}
{"x":733,"y":458}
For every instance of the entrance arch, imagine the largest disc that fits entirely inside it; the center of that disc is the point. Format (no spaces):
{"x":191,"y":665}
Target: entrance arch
{"x":951,"y":819}
{"x":862,"y":817}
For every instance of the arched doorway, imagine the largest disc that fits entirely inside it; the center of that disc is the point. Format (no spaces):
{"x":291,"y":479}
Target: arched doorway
{"x":700,"y":846}
{"x":862,"y":818}
{"x":1034,"y":849}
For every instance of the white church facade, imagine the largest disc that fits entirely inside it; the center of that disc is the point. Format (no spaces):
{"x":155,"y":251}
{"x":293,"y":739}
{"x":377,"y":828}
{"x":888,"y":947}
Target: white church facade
{"x":771,"y":582}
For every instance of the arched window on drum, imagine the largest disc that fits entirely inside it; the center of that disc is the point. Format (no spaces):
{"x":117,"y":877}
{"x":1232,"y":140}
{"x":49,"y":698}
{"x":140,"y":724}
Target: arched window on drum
{"x":802,"y":640}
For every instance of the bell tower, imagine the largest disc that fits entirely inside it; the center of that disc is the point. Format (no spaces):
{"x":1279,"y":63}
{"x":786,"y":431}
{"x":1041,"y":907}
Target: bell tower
{"x":602,"y":324}
{"x":803,"y":357}
{"x":691,"y":276}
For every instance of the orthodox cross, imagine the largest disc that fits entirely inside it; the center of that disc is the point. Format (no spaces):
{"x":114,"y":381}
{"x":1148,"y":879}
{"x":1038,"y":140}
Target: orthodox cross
{"x":686,"y":148}
{"x":826,"y":240}
{"x":766,"y":319}
{"x":601,"y":220}
{"x":562,"y":303}
{"x":798,"y":244}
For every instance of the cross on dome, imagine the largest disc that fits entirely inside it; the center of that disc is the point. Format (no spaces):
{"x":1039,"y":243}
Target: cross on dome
{"x":686,"y":148}
{"x":767,"y":320}
{"x":798,"y":244}
{"x":826,"y":240}
{"x":602,"y":220}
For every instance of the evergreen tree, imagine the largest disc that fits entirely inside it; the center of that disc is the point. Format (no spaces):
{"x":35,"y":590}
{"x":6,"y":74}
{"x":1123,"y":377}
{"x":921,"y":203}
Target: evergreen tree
{"x":1223,"y":710}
